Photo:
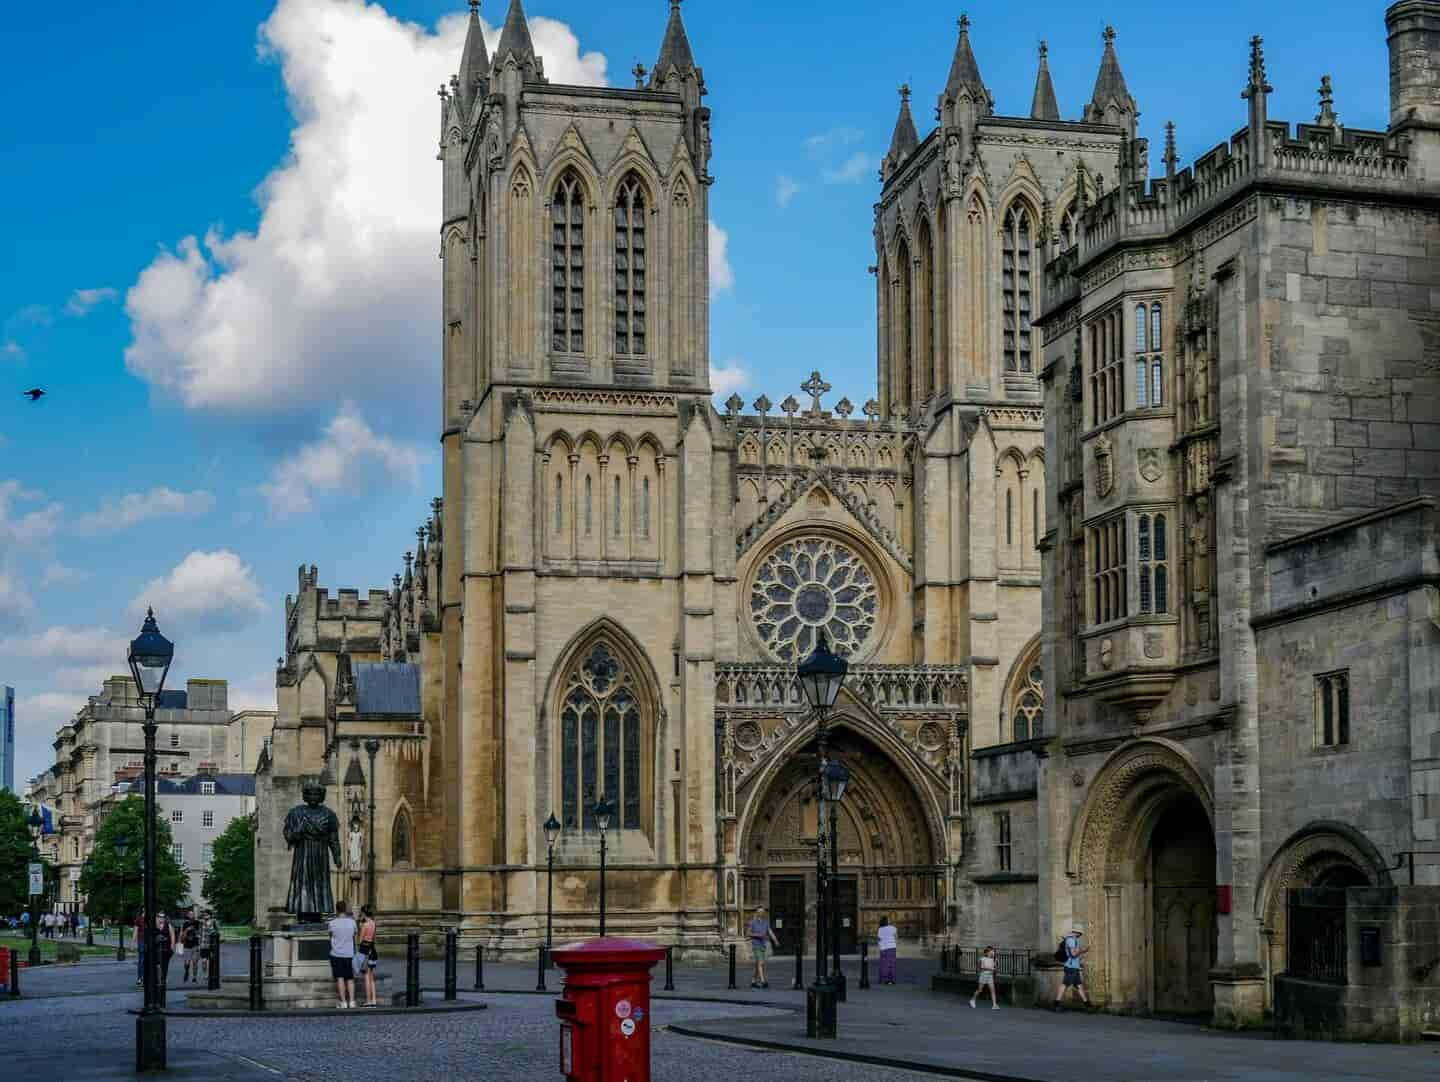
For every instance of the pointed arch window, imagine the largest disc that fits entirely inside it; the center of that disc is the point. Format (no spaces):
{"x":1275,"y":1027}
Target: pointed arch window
{"x":601,"y":730}
{"x":400,"y":835}
{"x":645,"y":508}
{"x":589,"y":505}
{"x":1027,"y":699}
{"x":567,"y":269}
{"x":1009,"y":516}
{"x":559,"y":502}
{"x":1017,"y":251}
{"x":615,"y":509}
{"x":630,"y":268}
{"x":1069,"y":228}
{"x":925,"y":284}
{"x":906,"y":324}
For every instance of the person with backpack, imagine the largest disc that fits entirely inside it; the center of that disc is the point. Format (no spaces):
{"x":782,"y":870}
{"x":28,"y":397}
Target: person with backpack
{"x":190,"y":949}
{"x":1071,"y":953}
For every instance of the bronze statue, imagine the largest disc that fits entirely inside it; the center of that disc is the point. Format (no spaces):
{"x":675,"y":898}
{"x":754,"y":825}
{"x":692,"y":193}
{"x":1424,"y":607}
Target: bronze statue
{"x":313,"y":832}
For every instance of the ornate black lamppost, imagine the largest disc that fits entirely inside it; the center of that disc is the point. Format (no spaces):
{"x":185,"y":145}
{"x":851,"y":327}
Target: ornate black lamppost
{"x":122,"y":847}
{"x":89,"y":924}
{"x":552,"y":835}
{"x":604,"y":812}
{"x":821,"y":675}
{"x":836,"y":779}
{"x":372,"y":748}
{"x":36,"y":823}
{"x":150,"y":657}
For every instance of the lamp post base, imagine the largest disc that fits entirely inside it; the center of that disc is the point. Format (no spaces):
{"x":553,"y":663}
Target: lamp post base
{"x":33,"y":958}
{"x":150,"y":1042}
{"x":820,"y":1011}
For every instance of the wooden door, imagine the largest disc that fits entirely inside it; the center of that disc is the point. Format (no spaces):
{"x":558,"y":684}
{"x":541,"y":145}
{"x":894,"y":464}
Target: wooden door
{"x":1185,"y":935}
{"x":847,"y":895}
{"x":787,"y":913}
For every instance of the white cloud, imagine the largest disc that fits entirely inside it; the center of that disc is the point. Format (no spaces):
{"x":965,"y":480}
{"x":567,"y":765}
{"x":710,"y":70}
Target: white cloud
{"x":136,"y":507}
{"x":856,"y":167}
{"x":15,"y":602}
{"x":825,"y":143}
{"x":721,"y":276}
{"x":56,"y":573}
{"x":211,"y":589}
{"x":37,"y":315}
{"x":786,"y":189}
{"x":73,"y":644}
{"x":32,"y":527}
{"x":728,"y":377}
{"x":12,"y":350}
{"x":82,"y":300}
{"x":340,"y":279}
{"x":348,"y":450}
{"x":253,"y":693}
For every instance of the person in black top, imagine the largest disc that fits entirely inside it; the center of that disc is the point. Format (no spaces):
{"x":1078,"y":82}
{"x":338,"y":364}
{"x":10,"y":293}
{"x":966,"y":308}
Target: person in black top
{"x":190,"y":942}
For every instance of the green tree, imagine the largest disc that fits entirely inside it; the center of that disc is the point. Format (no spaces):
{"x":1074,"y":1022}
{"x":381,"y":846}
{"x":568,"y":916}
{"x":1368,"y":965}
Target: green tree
{"x":229,"y":887}
{"x":114,"y":885}
{"x":16,"y":853}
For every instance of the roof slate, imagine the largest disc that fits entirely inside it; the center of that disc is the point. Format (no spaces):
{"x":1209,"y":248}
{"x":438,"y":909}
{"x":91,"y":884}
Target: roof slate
{"x":387,"y":687}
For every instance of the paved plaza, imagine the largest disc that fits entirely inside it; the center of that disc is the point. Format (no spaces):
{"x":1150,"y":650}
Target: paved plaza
{"x":73,"y":1023}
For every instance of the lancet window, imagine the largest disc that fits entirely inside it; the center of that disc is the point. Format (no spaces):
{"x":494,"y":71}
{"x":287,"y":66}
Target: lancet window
{"x":601,"y":737}
{"x":567,"y":284}
{"x":630,"y":267}
{"x":1016,"y":253}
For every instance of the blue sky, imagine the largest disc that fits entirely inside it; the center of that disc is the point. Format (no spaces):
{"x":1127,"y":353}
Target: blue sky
{"x":220,"y":225}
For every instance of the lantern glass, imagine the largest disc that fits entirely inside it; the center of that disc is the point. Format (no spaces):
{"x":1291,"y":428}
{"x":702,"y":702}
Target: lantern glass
{"x":837,"y":780}
{"x":122,"y":846}
{"x":821,"y":675}
{"x":604,"y":810}
{"x":552,"y":830}
{"x":150,"y":657}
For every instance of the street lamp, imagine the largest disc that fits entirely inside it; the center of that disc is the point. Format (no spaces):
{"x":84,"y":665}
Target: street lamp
{"x":604,"y":812}
{"x":821,"y":676}
{"x":89,"y":924}
{"x":150,"y":656}
{"x":552,"y":835}
{"x":372,"y":748}
{"x":36,"y":823}
{"x":122,"y":847}
{"x":836,"y":780}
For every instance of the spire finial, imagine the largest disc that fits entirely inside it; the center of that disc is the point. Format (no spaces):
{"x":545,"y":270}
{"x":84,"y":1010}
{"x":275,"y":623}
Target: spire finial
{"x":1109,"y":35}
{"x":1171,"y":158}
{"x":474,"y":7}
{"x":1258,"y":84}
{"x":964,"y":23}
{"x":904,"y":91}
{"x":1327,"y":115}
{"x":1044,"y":50}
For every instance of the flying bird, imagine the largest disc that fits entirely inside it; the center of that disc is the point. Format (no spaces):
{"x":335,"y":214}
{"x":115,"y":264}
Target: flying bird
{"x":34,"y":394}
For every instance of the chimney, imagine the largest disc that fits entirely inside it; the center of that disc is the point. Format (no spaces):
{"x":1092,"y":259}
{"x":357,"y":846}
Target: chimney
{"x":1414,"y":35}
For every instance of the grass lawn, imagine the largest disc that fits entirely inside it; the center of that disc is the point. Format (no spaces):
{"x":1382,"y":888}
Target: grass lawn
{"x":21,"y":943}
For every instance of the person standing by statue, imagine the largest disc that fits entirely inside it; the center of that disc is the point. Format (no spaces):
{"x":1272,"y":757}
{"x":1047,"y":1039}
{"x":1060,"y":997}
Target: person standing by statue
{"x":312,"y":831}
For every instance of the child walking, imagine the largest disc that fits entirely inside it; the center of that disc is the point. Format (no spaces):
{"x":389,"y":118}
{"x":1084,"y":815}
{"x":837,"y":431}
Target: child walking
{"x":987,"y":978}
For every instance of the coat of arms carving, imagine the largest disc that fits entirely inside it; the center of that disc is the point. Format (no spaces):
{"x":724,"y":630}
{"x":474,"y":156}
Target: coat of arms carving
{"x":1151,"y":466}
{"x":1104,"y":465}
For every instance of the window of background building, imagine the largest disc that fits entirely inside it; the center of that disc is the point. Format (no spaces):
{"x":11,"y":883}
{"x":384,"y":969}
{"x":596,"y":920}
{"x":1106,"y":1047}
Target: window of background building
{"x":177,"y":816}
{"x":179,"y":850}
{"x":207,"y":819}
{"x":1002,"y":841}
{"x":207,"y":854}
{"x":174,"y":739}
{"x":207,"y":788}
{"x":1107,"y":571}
{"x":1152,"y":559}
{"x":1332,"y":709}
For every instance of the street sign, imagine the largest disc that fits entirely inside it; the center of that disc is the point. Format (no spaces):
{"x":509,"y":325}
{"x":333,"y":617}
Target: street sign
{"x":37,"y":879}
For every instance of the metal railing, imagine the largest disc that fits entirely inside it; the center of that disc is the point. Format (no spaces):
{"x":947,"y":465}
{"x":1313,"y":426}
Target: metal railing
{"x":1316,"y":947}
{"x":1010,"y":962}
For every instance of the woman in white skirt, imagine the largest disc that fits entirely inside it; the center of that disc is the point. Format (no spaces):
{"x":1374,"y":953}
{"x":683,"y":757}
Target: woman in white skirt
{"x":987,"y":978}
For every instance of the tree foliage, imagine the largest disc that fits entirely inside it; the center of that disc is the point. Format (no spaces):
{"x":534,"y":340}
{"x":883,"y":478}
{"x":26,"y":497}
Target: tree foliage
{"x":16,"y":853}
{"x":229,"y":887}
{"x":114,"y":885}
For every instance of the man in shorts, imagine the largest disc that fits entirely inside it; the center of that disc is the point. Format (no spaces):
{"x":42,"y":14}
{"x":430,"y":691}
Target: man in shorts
{"x":342,"y":955}
{"x":761,"y":936}
{"x":1074,"y":973}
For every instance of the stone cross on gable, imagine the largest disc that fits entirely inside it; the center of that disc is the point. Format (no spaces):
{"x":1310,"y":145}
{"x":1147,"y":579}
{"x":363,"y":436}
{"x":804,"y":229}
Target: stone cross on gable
{"x":815,"y":387}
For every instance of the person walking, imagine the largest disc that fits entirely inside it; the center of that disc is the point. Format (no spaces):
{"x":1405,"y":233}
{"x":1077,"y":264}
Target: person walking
{"x":208,"y":928}
{"x":366,"y":955}
{"x":987,"y":978}
{"x":761,"y":937}
{"x":342,"y":955}
{"x":166,"y":941}
{"x":888,"y":937}
{"x":1074,"y":971}
{"x":138,"y":927}
{"x":190,"y":948}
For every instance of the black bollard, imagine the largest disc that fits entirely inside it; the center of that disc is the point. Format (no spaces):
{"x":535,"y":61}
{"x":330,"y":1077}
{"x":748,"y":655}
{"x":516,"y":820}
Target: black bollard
{"x":451,"y":960}
{"x":669,"y":969}
{"x":14,"y":973}
{"x":731,"y":985}
{"x":864,"y":964}
{"x":541,"y":963}
{"x":412,"y":969}
{"x":479,"y":968}
{"x":257,"y":973}
{"x":214,"y":982}
{"x":89,"y":933}
{"x":799,"y":967}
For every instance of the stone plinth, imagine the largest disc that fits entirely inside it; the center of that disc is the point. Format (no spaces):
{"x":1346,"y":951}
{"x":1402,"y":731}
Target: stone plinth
{"x":296,"y":977}
{"x":299,"y":952}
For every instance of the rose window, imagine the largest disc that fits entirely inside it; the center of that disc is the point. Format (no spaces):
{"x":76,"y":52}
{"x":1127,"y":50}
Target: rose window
{"x":810,"y":584}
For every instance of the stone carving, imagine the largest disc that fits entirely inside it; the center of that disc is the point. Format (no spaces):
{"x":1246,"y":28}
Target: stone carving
{"x":1154,"y":645}
{"x":1077,"y":779}
{"x":1150,"y":464}
{"x":356,"y":846}
{"x":809,"y":584}
{"x":930,"y":736}
{"x":815,"y":387}
{"x":1107,"y":653}
{"x":1199,"y":541}
{"x":312,"y":831}
{"x":749,"y":735}
{"x":1104,"y":465}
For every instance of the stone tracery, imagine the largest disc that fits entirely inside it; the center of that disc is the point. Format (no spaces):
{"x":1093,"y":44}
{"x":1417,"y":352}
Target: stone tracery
{"x":810,"y":584}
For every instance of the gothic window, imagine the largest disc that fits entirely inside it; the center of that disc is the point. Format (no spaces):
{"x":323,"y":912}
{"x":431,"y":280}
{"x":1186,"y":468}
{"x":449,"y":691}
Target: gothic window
{"x":559,"y":502}
{"x":1332,"y":709}
{"x":1107,"y":571}
{"x":400,"y":839}
{"x":600,"y":735}
{"x":1016,"y":250}
{"x":615,"y":511}
{"x":589,"y":505}
{"x":1107,"y":392}
{"x":1035,"y":514}
{"x":567,"y":268}
{"x":809,"y":584}
{"x":1069,"y":228}
{"x":630,"y":268}
{"x":906,"y":325}
{"x":925,"y":284}
{"x":1027,"y":698}
{"x":1009,"y":516}
{"x":645,"y":508}
{"x":1151,"y":557}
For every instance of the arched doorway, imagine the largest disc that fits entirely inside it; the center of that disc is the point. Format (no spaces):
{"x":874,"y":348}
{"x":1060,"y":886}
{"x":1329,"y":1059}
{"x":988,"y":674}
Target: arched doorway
{"x":889,"y":863}
{"x":1143,"y":855}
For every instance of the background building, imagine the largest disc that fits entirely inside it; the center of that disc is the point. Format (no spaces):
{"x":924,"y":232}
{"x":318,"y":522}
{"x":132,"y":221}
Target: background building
{"x":7,"y":738}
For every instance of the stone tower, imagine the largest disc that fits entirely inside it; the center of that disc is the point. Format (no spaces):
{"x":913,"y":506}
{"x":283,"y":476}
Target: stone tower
{"x":578,"y":622}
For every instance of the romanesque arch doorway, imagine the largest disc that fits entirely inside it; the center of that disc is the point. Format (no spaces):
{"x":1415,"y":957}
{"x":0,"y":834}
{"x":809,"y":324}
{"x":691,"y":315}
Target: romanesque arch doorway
{"x":889,"y":863}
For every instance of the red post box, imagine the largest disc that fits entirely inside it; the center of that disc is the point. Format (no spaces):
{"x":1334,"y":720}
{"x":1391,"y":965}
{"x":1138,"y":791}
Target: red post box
{"x":604,"y":1011}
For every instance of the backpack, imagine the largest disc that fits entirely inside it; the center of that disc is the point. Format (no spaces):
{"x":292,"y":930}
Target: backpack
{"x":1062,"y":952}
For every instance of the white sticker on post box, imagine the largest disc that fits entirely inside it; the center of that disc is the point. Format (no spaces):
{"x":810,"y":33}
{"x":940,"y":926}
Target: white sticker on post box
{"x":622,"y":1009}
{"x":627,"y":1027}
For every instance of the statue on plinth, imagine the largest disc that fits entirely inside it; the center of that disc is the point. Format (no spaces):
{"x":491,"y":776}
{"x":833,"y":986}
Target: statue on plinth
{"x":312,"y":831}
